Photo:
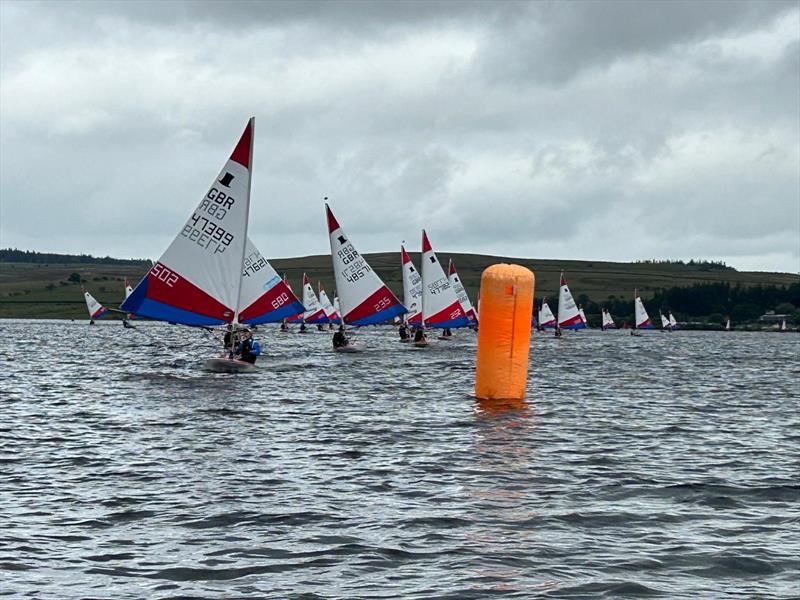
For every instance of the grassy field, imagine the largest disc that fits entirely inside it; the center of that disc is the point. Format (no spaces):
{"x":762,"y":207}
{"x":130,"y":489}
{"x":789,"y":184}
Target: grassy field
{"x":29,"y":290}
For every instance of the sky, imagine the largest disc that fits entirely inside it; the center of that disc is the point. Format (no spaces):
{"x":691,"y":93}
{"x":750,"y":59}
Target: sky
{"x":562,"y":130}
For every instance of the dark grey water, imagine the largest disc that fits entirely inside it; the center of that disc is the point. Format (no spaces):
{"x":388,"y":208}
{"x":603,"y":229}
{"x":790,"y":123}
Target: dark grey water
{"x":659,"y":465}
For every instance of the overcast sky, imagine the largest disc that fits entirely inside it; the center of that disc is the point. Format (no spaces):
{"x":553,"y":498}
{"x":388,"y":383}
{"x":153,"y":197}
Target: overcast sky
{"x":592,"y":130}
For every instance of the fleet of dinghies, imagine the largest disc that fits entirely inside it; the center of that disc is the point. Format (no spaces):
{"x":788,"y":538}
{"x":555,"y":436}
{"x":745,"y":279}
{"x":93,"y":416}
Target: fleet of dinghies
{"x":213,"y":276}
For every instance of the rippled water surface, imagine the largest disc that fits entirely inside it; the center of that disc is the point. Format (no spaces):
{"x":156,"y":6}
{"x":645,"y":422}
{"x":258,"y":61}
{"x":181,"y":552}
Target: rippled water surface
{"x":660,"y":465}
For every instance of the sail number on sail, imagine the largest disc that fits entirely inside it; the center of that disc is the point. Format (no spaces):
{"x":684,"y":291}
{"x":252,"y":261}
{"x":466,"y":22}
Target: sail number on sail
{"x":438,"y":286}
{"x":162,"y":273}
{"x":355,"y":266}
{"x":205,"y":233}
{"x":253,"y":263}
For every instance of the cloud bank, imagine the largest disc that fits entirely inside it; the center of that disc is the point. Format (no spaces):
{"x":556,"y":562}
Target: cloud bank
{"x":597,"y":130}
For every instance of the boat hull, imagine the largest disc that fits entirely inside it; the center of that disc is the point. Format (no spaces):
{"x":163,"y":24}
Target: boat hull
{"x":349,"y":349}
{"x":228,"y":365}
{"x":422,"y":344}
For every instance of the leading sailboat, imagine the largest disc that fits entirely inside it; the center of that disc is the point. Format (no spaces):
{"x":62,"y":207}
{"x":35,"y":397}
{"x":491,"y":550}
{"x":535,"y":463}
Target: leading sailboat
{"x":212,"y":274}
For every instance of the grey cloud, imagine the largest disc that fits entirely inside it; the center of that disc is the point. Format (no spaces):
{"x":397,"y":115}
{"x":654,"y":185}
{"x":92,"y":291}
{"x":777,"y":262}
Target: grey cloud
{"x":599,"y":130}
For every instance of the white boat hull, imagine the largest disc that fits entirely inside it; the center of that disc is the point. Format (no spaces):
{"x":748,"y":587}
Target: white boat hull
{"x":228,"y":365}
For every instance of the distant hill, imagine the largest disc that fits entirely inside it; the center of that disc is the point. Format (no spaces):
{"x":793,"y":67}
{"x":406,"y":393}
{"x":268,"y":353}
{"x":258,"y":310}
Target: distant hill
{"x":41,"y":287}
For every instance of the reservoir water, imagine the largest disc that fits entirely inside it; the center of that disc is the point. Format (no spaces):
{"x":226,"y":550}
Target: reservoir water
{"x":661,"y":465}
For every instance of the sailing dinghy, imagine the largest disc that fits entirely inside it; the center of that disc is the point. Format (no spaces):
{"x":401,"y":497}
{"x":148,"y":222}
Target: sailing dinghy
{"x":461,"y":293}
{"x":664,"y":322}
{"x":96,"y":310}
{"x":673,"y":324}
{"x":203,"y":277}
{"x":569,"y":317}
{"x":440,"y":306}
{"x":608,"y":322}
{"x":642,"y":320}
{"x":728,"y":324}
{"x":314,"y":313}
{"x":546,"y":316}
{"x":363,"y":297}
{"x":583,"y":316}
{"x":330,"y":310}
{"x":412,"y":290}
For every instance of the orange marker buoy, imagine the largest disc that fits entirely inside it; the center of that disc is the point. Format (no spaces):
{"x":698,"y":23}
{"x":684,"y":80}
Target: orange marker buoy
{"x":504,"y":334}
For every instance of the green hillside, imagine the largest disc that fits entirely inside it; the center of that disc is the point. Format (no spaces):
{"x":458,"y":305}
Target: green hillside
{"x":44,"y":289}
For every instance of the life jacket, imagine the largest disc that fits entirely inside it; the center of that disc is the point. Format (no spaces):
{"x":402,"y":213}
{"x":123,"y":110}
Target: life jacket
{"x":255,"y":350}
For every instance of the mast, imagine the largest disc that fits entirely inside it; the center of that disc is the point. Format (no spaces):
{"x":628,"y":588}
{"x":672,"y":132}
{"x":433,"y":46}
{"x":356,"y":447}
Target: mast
{"x":252,"y":126}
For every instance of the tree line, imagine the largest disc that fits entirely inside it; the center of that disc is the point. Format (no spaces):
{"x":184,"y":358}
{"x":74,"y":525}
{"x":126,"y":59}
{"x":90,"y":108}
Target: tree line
{"x":702,"y":301}
{"x":27,"y":256}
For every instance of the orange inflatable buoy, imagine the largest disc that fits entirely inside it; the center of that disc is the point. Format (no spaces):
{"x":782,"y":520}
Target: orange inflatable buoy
{"x":504,"y":334}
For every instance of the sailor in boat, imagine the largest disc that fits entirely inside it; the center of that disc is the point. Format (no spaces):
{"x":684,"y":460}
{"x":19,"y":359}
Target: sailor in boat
{"x":91,"y":321}
{"x":403,"y":331}
{"x":320,"y":327}
{"x":302,"y":327}
{"x":229,"y":340}
{"x":340,"y":339}
{"x":419,"y":335}
{"x":447,"y":332}
{"x":247,"y":349}
{"x":284,"y":326}
{"x":558,"y":331}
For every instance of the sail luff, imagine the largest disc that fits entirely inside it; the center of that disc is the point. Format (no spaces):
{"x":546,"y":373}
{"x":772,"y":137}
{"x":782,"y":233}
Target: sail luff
{"x":252,"y":126}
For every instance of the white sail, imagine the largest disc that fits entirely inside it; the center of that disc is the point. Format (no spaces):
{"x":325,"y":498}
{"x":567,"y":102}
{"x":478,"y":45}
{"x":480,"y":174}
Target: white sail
{"x":642,"y":319}
{"x":265,"y":297}
{"x":546,"y":316}
{"x":440,"y":306}
{"x":198,"y":279}
{"x":412,"y":289}
{"x":365,"y":299}
{"x":569,"y":317}
{"x":461,"y":293}
{"x":673,"y":324}
{"x":128,"y":288}
{"x":327,"y":306}
{"x":314,"y":313}
{"x":96,"y":310}
{"x":728,"y":325}
{"x":783,"y":325}
{"x":583,"y":316}
{"x":664,"y":321}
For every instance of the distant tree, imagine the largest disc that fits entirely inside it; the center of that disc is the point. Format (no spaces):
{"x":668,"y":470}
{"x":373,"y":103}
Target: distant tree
{"x":50,"y":286}
{"x":746,"y":311}
{"x":784,"y":308}
{"x":74,"y":278}
{"x":716,"y":318}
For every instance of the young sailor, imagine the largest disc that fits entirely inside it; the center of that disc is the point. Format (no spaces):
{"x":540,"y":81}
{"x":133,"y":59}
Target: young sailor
{"x":419,"y":335}
{"x":340,"y":339}
{"x":403,"y":331}
{"x":247,"y":349}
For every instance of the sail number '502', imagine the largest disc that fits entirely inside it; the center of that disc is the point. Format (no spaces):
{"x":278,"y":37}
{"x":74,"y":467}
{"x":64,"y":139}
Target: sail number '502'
{"x":162,"y":273}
